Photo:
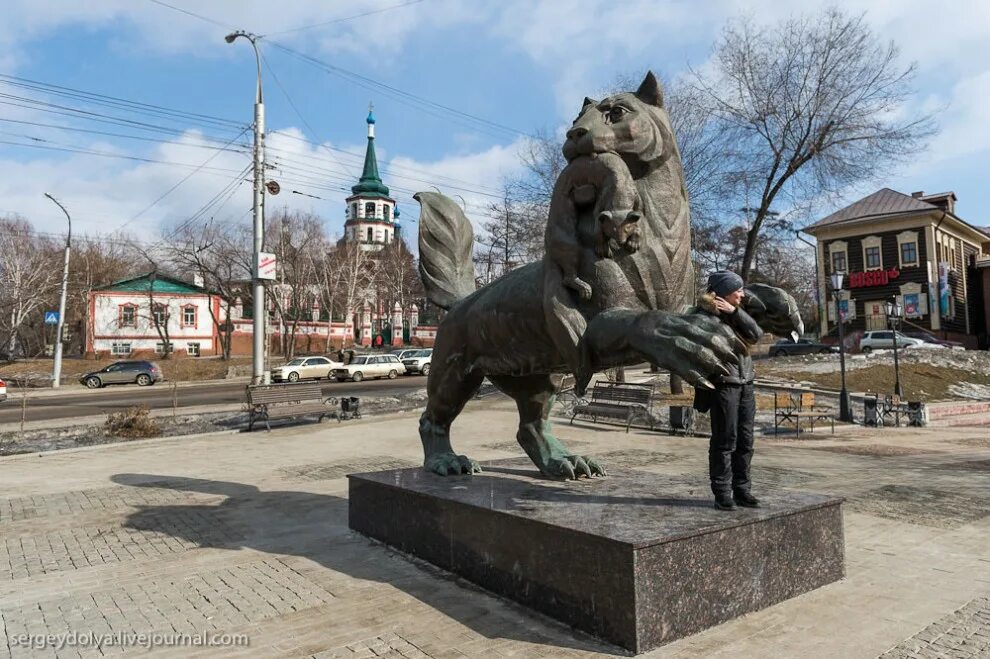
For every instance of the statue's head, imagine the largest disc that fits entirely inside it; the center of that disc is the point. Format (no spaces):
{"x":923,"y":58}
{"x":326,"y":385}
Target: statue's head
{"x":632,"y":124}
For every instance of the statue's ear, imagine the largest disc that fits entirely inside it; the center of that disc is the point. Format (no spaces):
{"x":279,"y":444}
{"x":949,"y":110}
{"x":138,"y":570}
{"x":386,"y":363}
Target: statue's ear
{"x":587,"y":102}
{"x":650,"y":91}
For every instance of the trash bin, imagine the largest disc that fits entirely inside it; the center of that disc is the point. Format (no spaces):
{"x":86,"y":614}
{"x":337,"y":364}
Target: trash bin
{"x":871,"y":413}
{"x":350,"y":406}
{"x":916,"y":414}
{"x":682,"y":418}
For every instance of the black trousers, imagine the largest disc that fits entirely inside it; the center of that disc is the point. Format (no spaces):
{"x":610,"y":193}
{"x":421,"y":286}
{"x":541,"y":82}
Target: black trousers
{"x":730,"y":452}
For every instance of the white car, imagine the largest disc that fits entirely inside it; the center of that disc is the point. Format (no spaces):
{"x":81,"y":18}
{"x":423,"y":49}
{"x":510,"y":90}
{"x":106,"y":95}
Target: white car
{"x":303,"y":368}
{"x":884,"y":340}
{"x":418,"y":361}
{"x":404,"y":354}
{"x":3,"y":391}
{"x":369,"y":366}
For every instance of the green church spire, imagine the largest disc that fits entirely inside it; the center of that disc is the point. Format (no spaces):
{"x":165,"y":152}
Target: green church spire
{"x":370,"y":183}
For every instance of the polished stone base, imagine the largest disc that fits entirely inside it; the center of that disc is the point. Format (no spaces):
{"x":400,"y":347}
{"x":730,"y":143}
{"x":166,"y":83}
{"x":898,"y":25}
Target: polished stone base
{"x":637,"y":559}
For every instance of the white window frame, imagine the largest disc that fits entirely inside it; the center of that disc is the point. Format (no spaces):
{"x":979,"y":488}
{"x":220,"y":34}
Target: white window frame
{"x":838,"y":246}
{"x":195,"y":315}
{"x":116,"y":348}
{"x":904,"y":238}
{"x":868,"y":243}
{"x":160,"y":348}
{"x":193,"y":351}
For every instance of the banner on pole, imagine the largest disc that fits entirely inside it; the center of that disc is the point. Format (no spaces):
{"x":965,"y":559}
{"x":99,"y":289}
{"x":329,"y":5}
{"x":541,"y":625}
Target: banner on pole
{"x":267,"y":266}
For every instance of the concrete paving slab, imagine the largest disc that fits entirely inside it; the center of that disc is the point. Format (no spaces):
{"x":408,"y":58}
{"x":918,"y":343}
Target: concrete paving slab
{"x":243,"y":538}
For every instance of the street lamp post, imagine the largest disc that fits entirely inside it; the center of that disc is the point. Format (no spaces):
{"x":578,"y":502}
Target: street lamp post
{"x":818,"y":293}
{"x":845,"y":408}
{"x":258,"y":375}
{"x":894,"y":316}
{"x":57,"y":366}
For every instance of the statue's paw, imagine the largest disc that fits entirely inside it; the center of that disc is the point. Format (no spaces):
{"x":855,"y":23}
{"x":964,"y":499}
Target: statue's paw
{"x":450,"y":464}
{"x":572,"y":467}
{"x":632,"y":244}
{"x":694,"y":346}
{"x":774,"y":310}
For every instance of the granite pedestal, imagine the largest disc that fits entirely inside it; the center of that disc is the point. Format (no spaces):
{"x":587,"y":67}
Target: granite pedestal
{"x":637,"y":559}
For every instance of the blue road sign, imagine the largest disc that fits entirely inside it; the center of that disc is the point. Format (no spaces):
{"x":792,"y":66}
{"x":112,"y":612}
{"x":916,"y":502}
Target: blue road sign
{"x":51,"y":318}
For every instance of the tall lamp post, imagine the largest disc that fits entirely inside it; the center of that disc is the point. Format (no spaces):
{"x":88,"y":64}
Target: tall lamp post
{"x":895,"y":314}
{"x":258,"y":375}
{"x":57,"y":366}
{"x":845,"y":408}
{"x":818,"y":293}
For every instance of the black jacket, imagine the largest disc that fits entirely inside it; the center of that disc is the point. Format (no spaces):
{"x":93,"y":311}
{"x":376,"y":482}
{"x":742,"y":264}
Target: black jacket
{"x":745,"y":328}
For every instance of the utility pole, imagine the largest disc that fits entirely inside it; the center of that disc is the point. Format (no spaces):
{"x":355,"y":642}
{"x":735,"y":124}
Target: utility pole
{"x":259,"y":375}
{"x":57,"y":367}
{"x":818,"y":293}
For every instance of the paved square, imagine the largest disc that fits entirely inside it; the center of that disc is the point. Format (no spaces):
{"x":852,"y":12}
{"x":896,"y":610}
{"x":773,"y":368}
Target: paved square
{"x":243,"y":538}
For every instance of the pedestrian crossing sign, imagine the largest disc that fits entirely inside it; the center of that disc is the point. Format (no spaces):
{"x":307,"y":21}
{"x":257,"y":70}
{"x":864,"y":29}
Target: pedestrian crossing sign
{"x":51,"y":318}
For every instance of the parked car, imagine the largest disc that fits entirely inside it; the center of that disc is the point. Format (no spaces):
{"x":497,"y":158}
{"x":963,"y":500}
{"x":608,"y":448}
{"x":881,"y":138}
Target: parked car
{"x":931,"y":338}
{"x":418,"y":361}
{"x":303,"y":368}
{"x":142,"y":373}
{"x":3,"y":391}
{"x":369,"y":366}
{"x":802,"y":347}
{"x":405,"y":352}
{"x":884,"y":340}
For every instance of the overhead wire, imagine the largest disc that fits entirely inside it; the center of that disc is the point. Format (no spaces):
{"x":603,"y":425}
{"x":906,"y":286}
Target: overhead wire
{"x":345,"y":18}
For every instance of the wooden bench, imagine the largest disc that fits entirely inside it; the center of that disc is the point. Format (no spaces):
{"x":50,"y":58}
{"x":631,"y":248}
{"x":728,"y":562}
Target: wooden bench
{"x":619,"y":400}
{"x":792,"y":406}
{"x":279,"y":401}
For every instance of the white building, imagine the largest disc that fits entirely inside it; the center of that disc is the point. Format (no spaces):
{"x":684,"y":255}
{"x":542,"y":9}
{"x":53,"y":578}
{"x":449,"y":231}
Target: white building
{"x":124,"y":318}
{"x":372,"y":216}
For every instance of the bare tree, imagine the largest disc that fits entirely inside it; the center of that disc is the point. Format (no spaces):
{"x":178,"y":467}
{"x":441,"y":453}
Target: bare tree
{"x":27,"y":279}
{"x":813,"y":105}
{"x":293,"y":236}
{"x":215,"y":252}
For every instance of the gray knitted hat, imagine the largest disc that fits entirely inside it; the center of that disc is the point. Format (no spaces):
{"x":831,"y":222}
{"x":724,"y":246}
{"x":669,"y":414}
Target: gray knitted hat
{"x":724,"y":282}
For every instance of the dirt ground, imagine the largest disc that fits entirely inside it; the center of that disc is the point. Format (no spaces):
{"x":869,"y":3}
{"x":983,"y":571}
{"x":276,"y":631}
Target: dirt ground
{"x":179,"y":370}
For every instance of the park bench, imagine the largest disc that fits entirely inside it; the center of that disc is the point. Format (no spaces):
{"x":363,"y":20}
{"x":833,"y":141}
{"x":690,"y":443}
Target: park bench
{"x":887,"y":411}
{"x":790,"y":406}
{"x":280,"y":401}
{"x":625,"y":401}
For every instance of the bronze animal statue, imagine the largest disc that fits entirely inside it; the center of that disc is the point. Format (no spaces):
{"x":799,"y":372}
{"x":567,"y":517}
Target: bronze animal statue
{"x":501,"y":332}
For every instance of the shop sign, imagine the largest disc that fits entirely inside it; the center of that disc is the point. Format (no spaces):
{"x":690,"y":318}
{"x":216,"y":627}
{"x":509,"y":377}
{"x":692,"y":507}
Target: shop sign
{"x":872,"y":278}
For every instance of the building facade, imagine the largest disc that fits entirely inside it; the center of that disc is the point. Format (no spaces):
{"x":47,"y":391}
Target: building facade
{"x":150,"y":315}
{"x":911,"y":248}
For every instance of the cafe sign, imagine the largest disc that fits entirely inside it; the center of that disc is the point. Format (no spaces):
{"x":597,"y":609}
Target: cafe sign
{"x":872,"y":278}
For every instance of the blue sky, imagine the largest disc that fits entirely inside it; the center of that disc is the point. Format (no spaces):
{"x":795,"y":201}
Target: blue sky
{"x":524,"y":65}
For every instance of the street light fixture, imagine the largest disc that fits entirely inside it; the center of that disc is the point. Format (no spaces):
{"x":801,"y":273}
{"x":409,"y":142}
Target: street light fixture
{"x":845,"y":408}
{"x":259,"y":373}
{"x":895,"y":314}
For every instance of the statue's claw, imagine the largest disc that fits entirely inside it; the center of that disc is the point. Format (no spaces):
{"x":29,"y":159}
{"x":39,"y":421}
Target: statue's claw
{"x":449,"y":464}
{"x":572,"y":467}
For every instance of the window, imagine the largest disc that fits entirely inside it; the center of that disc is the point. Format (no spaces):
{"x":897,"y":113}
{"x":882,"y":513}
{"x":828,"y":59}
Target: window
{"x":192,"y":349}
{"x":120,"y":349}
{"x":354,"y":211}
{"x":909,"y":254}
{"x":189,"y":316}
{"x":872,"y":256}
{"x":370,"y":234}
{"x":369,"y":209}
{"x":160,"y":348}
{"x":160,"y":315}
{"x":839,"y":262}
{"x":128,"y":316}
{"x":386,"y":212}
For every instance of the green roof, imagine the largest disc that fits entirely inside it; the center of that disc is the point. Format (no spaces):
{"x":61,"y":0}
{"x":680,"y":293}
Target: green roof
{"x":370,"y":183}
{"x":157,"y":284}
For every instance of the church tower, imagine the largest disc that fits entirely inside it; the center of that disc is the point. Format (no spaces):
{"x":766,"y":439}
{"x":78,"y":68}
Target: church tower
{"x":372,"y":218}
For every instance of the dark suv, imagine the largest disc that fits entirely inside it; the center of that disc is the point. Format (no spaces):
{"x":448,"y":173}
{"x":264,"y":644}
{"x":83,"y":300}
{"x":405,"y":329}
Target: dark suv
{"x":139,"y":372}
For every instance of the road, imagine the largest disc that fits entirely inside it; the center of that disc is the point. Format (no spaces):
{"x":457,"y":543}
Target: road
{"x":114,"y":398}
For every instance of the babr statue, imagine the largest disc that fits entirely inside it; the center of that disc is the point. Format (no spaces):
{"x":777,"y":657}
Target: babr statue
{"x":618,"y":268}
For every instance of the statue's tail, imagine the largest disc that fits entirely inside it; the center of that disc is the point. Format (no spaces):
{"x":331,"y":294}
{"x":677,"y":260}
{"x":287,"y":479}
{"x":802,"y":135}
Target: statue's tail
{"x":446,"y":242}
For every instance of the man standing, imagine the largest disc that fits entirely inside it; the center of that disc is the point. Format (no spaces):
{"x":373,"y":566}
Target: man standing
{"x":732,"y":403}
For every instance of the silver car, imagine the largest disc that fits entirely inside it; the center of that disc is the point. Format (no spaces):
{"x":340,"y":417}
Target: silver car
{"x":303,"y":368}
{"x":370,"y":366}
{"x":142,"y":373}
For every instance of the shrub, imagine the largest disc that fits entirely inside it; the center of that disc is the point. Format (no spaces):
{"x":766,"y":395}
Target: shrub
{"x":132,"y":423}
